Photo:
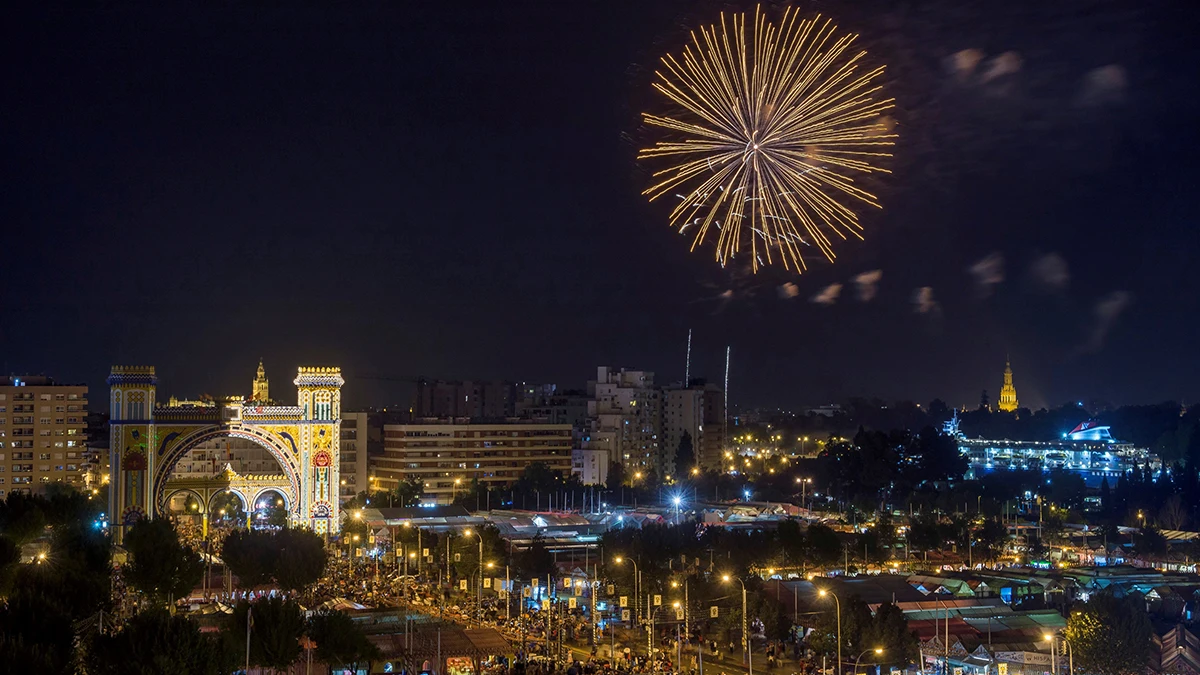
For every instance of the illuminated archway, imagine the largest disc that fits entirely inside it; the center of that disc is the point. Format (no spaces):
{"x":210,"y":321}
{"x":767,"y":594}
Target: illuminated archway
{"x":147,"y":440}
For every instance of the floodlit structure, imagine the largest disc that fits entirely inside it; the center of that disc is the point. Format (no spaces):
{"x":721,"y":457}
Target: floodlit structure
{"x":1089,"y":449}
{"x":147,"y":441}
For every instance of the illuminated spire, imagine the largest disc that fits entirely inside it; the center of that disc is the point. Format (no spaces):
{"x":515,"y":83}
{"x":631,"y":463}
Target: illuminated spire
{"x":1008,"y":393}
{"x":260,"y":388}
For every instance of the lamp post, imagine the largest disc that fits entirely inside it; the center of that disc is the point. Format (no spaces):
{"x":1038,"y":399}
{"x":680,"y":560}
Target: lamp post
{"x":946,"y":639}
{"x":803,"y":490}
{"x":420,"y":551}
{"x":479,"y":588}
{"x":838,"y":605}
{"x":877,"y":650}
{"x":410,"y":555}
{"x":1050,"y":637}
{"x":636,"y":587}
{"x":687,"y":610}
{"x":745,"y":632}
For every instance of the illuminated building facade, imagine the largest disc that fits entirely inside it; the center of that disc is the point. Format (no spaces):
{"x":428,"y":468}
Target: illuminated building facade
{"x":354,"y":455}
{"x":699,"y":412}
{"x":42,"y":434}
{"x":148,"y":441}
{"x":1089,"y":449}
{"x":1008,"y":393}
{"x":448,"y":457}
{"x":625,"y":418}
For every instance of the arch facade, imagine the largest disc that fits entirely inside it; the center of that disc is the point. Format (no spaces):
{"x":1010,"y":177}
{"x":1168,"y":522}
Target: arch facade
{"x":147,"y":440}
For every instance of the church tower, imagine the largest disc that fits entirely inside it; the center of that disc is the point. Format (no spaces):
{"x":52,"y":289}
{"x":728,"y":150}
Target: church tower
{"x":260,"y":387}
{"x":1008,"y":393}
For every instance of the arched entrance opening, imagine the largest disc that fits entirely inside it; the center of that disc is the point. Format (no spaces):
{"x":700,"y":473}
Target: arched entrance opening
{"x":270,"y":509}
{"x":227,"y":510}
{"x":228,"y":468}
{"x":187,"y":509}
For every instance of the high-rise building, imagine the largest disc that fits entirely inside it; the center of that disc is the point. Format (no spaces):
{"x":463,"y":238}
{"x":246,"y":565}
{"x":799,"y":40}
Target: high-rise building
{"x":441,"y":399}
{"x":42,"y":434}
{"x":354,"y":476}
{"x":448,"y":457}
{"x":624,"y":417}
{"x":96,"y":434}
{"x":697,"y":412}
{"x":590,"y":465}
{"x":1008,"y":393}
{"x":547,"y":404}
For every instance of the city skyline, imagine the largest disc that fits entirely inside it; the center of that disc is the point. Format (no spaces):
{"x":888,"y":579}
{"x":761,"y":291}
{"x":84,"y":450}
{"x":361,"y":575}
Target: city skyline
{"x":401,"y":207}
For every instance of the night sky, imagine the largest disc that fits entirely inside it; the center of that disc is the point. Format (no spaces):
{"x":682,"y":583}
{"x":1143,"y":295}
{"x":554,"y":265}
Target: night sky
{"x":451,"y":191}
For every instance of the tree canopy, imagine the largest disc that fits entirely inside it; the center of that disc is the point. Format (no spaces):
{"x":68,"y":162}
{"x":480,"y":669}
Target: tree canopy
{"x":155,"y":642}
{"x":293,"y":558}
{"x":161,"y":567}
{"x":1110,"y":635}
{"x":339,"y":642}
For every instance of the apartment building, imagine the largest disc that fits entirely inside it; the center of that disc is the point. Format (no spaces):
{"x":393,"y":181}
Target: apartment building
{"x":448,"y":456}
{"x":353,"y":468}
{"x":624,"y":417}
{"x":42,"y":434}
{"x":699,"y":412}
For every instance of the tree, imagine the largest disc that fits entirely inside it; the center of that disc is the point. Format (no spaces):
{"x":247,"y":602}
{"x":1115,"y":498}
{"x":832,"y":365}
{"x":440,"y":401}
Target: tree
{"x":408,"y":493}
{"x":47,"y":600}
{"x":339,"y":641}
{"x":275,"y":634}
{"x":249,"y":556}
{"x":22,"y":518}
{"x":293,"y":558}
{"x":990,"y":538}
{"x":10,"y":556}
{"x":823,"y":544}
{"x":301,"y":558}
{"x":616,"y":476}
{"x":536,"y":561}
{"x":1110,"y":635}
{"x":1150,"y":541}
{"x":925,"y":533}
{"x":939,"y":457}
{"x":685,"y":457}
{"x":1173,"y":514}
{"x":161,"y":566}
{"x":889,"y":629}
{"x":156,"y":642}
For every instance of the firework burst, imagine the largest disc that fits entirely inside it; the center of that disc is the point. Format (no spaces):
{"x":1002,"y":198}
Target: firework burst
{"x":771,"y":130}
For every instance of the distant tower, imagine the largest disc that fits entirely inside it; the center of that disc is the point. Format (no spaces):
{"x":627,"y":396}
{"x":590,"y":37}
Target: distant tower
{"x":1008,"y":393}
{"x":260,"y":387}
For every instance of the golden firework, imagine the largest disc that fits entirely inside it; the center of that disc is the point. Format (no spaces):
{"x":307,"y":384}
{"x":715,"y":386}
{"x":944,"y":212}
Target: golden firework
{"x":773,"y":125}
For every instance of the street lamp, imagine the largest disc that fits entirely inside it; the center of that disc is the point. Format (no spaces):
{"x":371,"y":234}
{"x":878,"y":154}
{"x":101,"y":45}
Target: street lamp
{"x":479,"y":595}
{"x":838,"y":604}
{"x":1050,"y":637}
{"x":687,"y":610}
{"x":745,"y":633}
{"x":636,"y":587}
{"x":408,"y":523}
{"x":878,"y":651}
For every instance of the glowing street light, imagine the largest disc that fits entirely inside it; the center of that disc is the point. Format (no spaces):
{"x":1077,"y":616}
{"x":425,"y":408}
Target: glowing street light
{"x":620,"y":560}
{"x":745,"y":635}
{"x":837,"y":603}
